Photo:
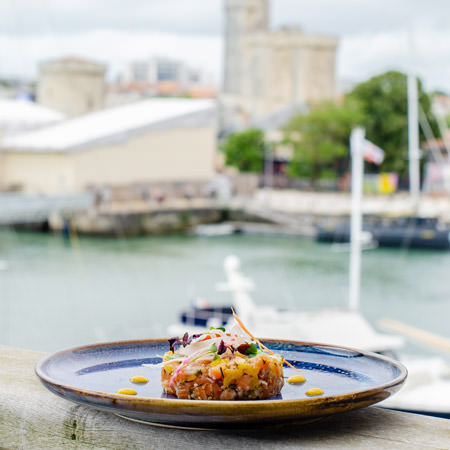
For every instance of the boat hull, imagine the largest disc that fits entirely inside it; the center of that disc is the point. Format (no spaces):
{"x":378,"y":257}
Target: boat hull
{"x":406,"y":234}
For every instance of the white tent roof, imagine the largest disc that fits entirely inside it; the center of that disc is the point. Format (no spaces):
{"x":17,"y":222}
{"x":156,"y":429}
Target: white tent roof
{"x":115,"y":124}
{"x":18,"y":114}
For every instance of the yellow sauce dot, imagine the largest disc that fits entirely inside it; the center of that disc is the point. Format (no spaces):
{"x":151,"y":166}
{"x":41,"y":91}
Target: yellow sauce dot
{"x":314,"y":391}
{"x":139,"y":379}
{"x":296,"y":379}
{"x":127,"y":391}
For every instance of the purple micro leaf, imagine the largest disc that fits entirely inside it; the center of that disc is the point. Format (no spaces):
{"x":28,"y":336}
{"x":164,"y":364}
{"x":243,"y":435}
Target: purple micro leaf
{"x":172,"y":342}
{"x":222,"y":348}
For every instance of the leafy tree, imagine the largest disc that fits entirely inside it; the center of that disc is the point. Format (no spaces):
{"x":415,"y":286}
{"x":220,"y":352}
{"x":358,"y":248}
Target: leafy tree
{"x":383,"y":101}
{"x":321,"y":140}
{"x":245,"y":150}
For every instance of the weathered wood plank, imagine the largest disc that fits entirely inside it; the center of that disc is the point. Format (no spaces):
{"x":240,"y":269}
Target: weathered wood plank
{"x":33,"y":418}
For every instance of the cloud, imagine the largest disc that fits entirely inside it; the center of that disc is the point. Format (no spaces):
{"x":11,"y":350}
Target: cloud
{"x":362,"y":56}
{"x":65,"y":17}
{"x":205,"y":17}
{"x":353,"y":17}
{"x":372,"y":33}
{"x":114,"y":48}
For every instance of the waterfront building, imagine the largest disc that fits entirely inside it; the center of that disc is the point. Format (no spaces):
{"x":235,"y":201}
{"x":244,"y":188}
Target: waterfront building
{"x":73,"y":86}
{"x":21,"y":115}
{"x":155,"y":140}
{"x":269,"y":70}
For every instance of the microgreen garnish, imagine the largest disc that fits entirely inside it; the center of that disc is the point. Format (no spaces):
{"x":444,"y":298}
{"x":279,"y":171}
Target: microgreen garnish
{"x":217,"y":328}
{"x":185,"y":340}
{"x":213,"y":348}
{"x":242,"y":348}
{"x":222,"y":348}
{"x":173,"y":356}
{"x":251,"y":350}
{"x":172,"y":342}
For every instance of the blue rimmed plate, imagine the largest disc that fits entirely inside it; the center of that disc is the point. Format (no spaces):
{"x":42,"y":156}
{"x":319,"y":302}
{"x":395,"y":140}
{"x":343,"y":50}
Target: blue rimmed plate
{"x":91,"y":375}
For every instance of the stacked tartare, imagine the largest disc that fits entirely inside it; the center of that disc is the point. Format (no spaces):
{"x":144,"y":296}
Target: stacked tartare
{"x":221,"y":365}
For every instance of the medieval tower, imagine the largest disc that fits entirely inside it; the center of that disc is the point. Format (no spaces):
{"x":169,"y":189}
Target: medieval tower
{"x":73,"y":86}
{"x":243,"y":18}
{"x":266,"y":71}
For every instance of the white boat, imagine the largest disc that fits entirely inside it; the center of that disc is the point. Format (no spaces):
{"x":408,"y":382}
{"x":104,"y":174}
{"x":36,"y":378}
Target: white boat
{"x":343,"y":327}
{"x":216,"y":229}
{"x":427,"y":389}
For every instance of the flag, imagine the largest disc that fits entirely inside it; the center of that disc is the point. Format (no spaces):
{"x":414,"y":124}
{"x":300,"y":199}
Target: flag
{"x":372,"y":153}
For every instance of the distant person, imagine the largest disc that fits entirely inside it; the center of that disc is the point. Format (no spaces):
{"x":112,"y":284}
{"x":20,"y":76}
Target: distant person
{"x":106,"y":196}
{"x":97,"y":198}
{"x":223,"y":186}
{"x":188,"y":192}
{"x":220,"y":187}
{"x":159,"y":196}
{"x":145,"y":194}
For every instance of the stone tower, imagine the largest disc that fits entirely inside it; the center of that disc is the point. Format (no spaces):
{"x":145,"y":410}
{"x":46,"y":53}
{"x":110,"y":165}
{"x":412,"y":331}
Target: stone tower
{"x":243,"y":18}
{"x":73,"y":86}
{"x":271,"y":71}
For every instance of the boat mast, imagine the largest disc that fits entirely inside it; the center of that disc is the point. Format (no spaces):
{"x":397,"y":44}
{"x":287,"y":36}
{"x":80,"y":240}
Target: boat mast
{"x":413,"y":133}
{"x":356,"y":153}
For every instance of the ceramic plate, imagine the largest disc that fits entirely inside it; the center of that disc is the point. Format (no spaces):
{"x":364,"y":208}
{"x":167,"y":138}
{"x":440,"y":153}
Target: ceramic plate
{"x":91,"y":376}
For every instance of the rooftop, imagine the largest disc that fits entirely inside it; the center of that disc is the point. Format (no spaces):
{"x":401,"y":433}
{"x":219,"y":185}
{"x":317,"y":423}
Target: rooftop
{"x":114,"y":125}
{"x":72,"y":64}
{"x":23,"y":114}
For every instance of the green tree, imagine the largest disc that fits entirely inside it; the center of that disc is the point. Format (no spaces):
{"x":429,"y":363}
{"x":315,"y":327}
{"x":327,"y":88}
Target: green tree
{"x":321,"y":139}
{"x":245,"y":150}
{"x":383,"y":101}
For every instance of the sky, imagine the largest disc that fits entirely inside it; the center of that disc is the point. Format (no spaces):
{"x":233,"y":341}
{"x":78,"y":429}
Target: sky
{"x":373,"y":34}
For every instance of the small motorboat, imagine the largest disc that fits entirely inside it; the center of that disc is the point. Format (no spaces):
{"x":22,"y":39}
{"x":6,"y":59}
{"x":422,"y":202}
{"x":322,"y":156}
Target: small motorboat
{"x":202,"y":314}
{"x":217,"y":229}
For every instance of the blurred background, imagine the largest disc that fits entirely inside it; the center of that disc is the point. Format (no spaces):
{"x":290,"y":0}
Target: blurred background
{"x":141,"y":143}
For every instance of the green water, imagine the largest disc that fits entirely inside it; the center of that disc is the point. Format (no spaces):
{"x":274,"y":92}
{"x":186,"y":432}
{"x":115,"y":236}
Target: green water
{"x":56,"y":294}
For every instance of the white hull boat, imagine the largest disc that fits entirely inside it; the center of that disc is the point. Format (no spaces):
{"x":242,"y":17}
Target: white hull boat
{"x":427,"y":389}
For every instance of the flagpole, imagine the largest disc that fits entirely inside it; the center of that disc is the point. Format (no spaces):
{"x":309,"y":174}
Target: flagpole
{"x":413,"y":132}
{"x":357,"y":165}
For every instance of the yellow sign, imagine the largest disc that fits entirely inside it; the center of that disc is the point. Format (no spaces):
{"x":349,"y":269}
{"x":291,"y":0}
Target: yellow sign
{"x":387,"y":183}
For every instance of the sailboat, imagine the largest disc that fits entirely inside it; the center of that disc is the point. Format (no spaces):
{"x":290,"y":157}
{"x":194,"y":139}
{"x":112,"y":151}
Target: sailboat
{"x":406,"y":231}
{"x":428,"y":389}
{"x":346,"y":327}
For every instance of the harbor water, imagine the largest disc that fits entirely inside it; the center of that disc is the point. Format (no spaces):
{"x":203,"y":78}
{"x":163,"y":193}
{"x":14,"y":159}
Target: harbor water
{"x":57,"y":293}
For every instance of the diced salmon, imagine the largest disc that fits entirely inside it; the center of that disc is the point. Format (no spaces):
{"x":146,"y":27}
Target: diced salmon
{"x":246,"y":378}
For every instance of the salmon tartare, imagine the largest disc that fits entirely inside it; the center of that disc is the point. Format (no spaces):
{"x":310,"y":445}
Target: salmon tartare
{"x":221,"y":365}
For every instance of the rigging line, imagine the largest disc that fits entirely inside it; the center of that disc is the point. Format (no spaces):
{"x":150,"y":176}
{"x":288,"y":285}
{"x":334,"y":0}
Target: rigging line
{"x":424,"y":124}
{"x":443,"y":129}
